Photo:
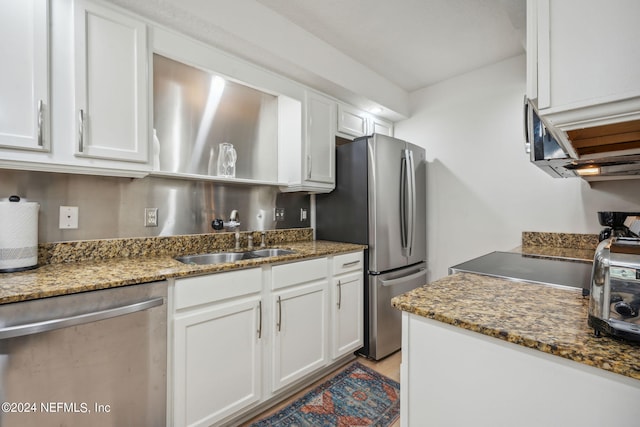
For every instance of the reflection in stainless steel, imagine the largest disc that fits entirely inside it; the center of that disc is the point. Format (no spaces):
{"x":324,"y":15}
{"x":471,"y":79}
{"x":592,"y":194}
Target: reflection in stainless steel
{"x":195,"y":111}
{"x":111,"y":207}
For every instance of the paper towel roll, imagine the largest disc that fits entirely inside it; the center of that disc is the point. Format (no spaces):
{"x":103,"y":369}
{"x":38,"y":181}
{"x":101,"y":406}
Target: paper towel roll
{"x":18,"y":235}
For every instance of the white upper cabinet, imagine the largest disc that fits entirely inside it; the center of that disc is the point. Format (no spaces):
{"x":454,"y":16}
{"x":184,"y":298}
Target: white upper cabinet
{"x":24,"y":75}
{"x":320,"y":139}
{"x":351,"y":121}
{"x":583,"y":60}
{"x":377,"y":125}
{"x":355,"y":123}
{"x":111,"y":78}
{"x":306,"y":143}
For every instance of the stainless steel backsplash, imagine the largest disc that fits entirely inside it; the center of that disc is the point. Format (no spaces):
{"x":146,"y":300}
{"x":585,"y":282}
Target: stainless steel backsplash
{"x":112,"y":207}
{"x":194,"y":111}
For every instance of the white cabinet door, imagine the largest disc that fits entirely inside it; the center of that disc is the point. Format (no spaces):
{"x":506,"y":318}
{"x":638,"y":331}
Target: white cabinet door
{"x":320,"y":139}
{"x":299,"y":332}
{"x":24,"y":74}
{"x":347,"y":299}
{"x":356,"y":123}
{"x":217,"y":361}
{"x":351,"y":121}
{"x":111,"y":84}
{"x":582,"y":60}
{"x":380,"y":126}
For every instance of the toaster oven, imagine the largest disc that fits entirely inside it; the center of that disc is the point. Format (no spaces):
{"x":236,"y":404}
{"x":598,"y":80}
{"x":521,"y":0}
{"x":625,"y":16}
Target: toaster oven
{"x":614,"y":305}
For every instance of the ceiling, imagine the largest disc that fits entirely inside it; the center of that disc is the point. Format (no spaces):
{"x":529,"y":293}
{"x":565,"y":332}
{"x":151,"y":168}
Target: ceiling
{"x":369,"y":53}
{"x":413,"y":43}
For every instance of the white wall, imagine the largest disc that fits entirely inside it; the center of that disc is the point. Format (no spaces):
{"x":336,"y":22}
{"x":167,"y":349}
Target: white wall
{"x":482,"y":190}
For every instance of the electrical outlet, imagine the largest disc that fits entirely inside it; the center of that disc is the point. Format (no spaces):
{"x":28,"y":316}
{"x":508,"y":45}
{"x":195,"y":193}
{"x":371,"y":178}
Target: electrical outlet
{"x":68,"y":217}
{"x":303,"y":214}
{"x":150,"y":217}
{"x":278,"y":214}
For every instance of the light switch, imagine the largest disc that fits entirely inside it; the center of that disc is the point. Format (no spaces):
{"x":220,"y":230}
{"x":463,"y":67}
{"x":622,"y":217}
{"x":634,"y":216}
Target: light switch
{"x":278,"y":214}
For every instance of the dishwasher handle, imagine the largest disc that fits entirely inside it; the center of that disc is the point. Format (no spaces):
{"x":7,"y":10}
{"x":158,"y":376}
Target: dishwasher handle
{"x":64,"y":322}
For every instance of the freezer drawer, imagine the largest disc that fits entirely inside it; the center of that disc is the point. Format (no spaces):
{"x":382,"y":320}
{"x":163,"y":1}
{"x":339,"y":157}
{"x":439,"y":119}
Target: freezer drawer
{"x":383,"y":323}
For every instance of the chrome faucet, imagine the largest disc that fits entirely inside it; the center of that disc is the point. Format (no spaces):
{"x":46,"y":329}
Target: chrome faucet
{"x":262,"y":239}
{"x":250,"y":241}
{"x":234,"y":220}
{"x":232,"y":224}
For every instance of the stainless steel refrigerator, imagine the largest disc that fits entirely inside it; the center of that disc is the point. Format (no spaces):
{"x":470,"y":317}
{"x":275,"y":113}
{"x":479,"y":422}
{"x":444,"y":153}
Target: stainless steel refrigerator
{"x":380,"y":201}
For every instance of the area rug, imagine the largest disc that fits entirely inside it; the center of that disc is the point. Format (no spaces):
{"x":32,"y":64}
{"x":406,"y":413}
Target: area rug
{"x":357,"y":396}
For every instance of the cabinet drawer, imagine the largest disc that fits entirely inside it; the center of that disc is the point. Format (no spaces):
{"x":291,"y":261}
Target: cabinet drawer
{"x":299,"y":272}
{"x":347,"y":262}
{"x":215,"y":287}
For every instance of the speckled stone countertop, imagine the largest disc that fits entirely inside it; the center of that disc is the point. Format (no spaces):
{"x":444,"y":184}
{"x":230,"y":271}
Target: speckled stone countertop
{"x":571,"y":246}
{"x":544,"y":318}
{"x":102,"y":264}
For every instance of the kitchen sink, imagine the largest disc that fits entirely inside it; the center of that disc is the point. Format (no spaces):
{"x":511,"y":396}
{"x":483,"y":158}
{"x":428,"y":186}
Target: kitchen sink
{"x":271,"y":252}
{"x":215,"y":258}
{"x":224,"y":257}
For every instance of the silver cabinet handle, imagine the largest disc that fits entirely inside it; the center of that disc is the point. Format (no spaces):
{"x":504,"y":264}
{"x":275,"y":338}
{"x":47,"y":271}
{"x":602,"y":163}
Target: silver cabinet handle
{"x":40,"y":123}
{"x":81,"y":131}
{"x":527,"y":144}
{"x":80,"y":319}
{"x":309,"y":165}
{"x":279,"y":324}
{"x":349,"y":264}
{"x":260,"y":319}
{"x":339,"y":294}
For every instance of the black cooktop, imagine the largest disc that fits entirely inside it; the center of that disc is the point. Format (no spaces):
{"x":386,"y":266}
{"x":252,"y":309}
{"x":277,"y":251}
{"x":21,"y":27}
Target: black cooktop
{"x":520,"y":267}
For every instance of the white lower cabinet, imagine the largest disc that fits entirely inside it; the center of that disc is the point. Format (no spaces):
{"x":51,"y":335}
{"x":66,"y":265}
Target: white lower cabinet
{"x":300,"y":332}
{"x":347,"y":314}
{"x":347,"y":304}
{"x":452,"y":377}
{"x":243,"y":337}
{"x":217,"y":346}
{"x":299,"y":301}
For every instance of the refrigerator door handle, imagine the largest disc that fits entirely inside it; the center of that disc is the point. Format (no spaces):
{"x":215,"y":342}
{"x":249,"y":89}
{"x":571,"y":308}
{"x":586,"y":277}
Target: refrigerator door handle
{"x":403,"y":279}
{"x":404,"y":197}
{"x":412,"y":201}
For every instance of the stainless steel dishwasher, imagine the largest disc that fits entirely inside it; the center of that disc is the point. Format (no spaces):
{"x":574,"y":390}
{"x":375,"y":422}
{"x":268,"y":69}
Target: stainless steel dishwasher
{"x":95,"y":358}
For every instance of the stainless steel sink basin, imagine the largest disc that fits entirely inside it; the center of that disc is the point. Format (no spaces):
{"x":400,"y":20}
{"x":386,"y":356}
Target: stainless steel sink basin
{"x":215,"y":258}
{"x":271,"y":252}
{"x":223,"y":257}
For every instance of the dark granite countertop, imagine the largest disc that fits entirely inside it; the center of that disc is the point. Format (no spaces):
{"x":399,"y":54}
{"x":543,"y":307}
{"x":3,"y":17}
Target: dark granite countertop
{"x":540,"y":317}
{"x":93,"y":265}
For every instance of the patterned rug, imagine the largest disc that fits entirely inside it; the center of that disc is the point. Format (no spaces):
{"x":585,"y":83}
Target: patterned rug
{"x":357,"y":396}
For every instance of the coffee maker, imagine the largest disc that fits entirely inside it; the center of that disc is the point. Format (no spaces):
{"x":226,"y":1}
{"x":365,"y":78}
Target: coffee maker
{"x":614,"y":224}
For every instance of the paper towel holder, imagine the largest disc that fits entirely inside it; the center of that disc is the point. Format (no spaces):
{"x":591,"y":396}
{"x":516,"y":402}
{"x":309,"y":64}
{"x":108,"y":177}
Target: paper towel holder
{"x":19,"y":253}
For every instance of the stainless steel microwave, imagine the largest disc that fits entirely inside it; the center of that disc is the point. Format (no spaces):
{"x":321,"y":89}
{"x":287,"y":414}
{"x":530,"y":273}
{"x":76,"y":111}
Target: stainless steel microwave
{"x":542,"y":145}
